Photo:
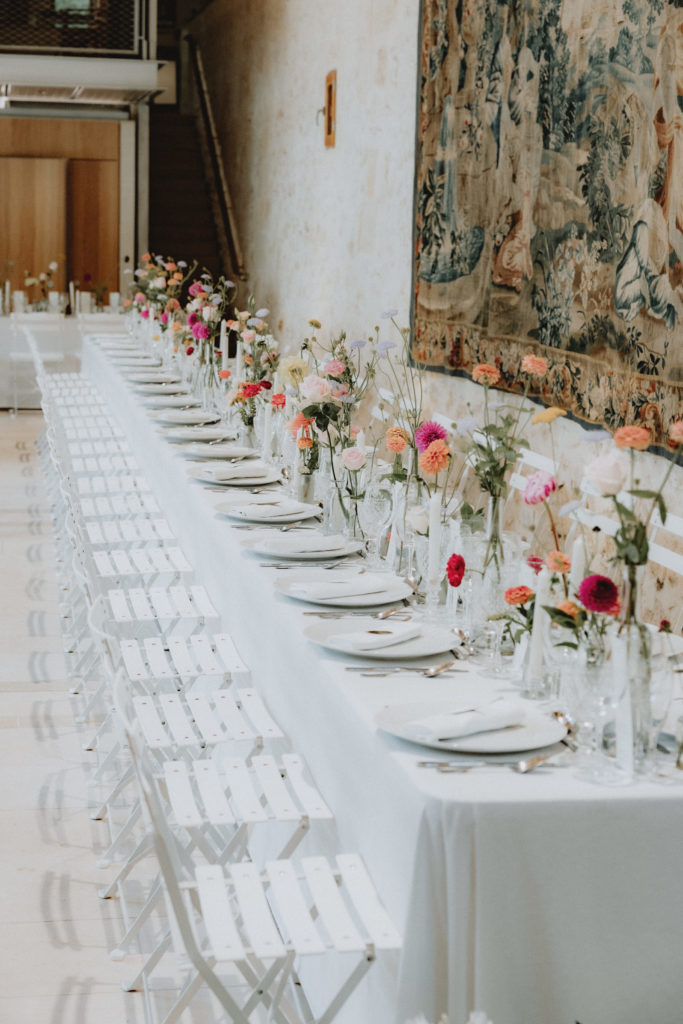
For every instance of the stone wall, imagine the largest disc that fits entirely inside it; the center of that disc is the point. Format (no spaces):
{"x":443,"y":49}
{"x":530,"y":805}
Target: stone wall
{"x":327,"y":233}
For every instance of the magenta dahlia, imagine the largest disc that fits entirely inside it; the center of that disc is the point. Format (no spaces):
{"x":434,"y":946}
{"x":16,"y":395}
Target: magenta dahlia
{"x":599,"y":594}
{"x":428,"y":432}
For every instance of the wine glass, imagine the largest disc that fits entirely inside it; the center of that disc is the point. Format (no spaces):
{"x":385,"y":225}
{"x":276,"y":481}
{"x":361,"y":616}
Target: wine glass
{"x":374,"y":512}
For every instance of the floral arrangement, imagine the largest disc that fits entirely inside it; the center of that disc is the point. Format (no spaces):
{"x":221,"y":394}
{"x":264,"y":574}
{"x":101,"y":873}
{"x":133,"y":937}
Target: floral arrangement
{"x":257,"y":359}
{"x":156,"y":280}
{"x":44,"y":282}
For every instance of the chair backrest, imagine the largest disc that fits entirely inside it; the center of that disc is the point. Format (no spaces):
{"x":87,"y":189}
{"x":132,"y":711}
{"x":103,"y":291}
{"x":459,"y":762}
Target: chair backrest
{"x":660,"y":553}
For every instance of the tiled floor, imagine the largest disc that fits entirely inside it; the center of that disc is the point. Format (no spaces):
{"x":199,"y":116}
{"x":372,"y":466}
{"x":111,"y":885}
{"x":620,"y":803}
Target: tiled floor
{"x":54,"y":931}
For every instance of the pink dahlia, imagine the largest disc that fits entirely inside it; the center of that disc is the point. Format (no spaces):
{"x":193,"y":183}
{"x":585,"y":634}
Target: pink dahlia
{"x":599,"y":594}
{"x":539,"y":486}
{"x":200,"y":331}
{"x":428,"y":432}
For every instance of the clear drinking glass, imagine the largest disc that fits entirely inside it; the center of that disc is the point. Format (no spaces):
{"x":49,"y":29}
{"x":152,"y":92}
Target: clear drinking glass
{"x":374,"y":513}
{"x":597,"y":696}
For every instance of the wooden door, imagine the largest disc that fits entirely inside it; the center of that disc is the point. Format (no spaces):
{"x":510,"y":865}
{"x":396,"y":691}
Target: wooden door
{"x":93,"y":223}
{"x":32,"y":218}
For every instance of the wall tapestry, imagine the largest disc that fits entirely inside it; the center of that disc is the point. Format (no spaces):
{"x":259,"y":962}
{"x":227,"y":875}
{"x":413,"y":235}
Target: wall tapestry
{"x":549,"y":199}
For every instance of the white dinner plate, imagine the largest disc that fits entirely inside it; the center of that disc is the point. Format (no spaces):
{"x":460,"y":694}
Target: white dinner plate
{"x":170,"y":402}
{"x":221,"y":450}
{"x":200,"y":473}
{"x":286,"y":510}
{"x":390,"y":589}
{"x":538,"y":730}
{"x":260,"y":543}
{"x":183,"y":417}
{"x":161,"y":389}
{"x":151,"y":377}
{"x":432,"y":640}
{"x":210,"y":433}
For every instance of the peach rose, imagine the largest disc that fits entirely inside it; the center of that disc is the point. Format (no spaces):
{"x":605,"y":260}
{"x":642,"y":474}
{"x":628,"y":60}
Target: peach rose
{"x":304,"y":442}
{"x":353,"y":458}
{"x":569,"y":608}
{"x":632,"y":437}
{"x":557,"y":561}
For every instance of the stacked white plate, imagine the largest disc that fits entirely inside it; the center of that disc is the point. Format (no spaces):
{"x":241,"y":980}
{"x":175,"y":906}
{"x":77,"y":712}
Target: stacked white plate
{"x":184,"y":417}
{"x":218,"y":450}
{"x":171,"y":402}
{"x":142,"y":376}
{"x":281,"y":510}
{"x":249,"y":472}
{"x":161,"y":389}
{"x":305,"y":545}
{"x":366,"y":637}
{"x":204,"y":434}
{"x":343,"y":589}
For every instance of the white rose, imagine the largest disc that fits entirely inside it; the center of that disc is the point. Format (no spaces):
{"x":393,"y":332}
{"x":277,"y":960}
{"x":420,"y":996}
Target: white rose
{"x":315,"y":388}
{"x":209,"y":313}
{"x":417,"y":517}
{"x":607,"y":473}
{"x":159,"y":283}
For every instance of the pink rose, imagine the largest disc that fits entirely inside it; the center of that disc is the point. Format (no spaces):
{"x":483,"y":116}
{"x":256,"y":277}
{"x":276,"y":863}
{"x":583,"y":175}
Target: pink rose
{"x":144,"y":313}
{"x":353,"y":459}
{"x":164,"y":318}
{"x":315,"y":388}
{"x":539,"y":486}
{"x":248,"y":337}
{"x":334,"y":368}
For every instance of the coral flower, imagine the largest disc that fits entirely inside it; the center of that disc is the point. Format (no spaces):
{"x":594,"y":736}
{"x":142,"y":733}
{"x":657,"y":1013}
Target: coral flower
{"x":535,"y":562}
{"x":304,"y":442}
{"x":300,"y":422}
{"x":557,"y":561}
{"x":427,"y":433}
{"x":675,"y":436}
{"x":279,"y":401}
{"x":455,"y":570}
{"x":548,"y":415}
{"x":632,"y":437}
{"x":535,"y":365}
{"x":518,"y":595}
{"x":224,"y":374}
{"x":435,"y":458}
{"x":569,"y":608}
{"x":396,"y":439}
{"x":539,"y":486}
{"x":250,"y":390}
{"x":599,"y":594}
{"x":485,"y":373}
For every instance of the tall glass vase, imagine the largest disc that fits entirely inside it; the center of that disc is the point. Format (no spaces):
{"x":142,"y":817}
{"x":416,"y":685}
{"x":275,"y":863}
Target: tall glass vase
{"x":637,"y":646}
{"x":494,"y":556}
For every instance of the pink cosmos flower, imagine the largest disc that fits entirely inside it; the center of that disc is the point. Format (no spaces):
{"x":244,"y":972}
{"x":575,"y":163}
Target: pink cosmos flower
{"x":428,"y":432}
{"x":539,"y":486}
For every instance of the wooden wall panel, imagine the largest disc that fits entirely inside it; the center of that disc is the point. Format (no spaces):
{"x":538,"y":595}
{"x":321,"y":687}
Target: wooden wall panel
{"x":32,"y":217}
{"x":93,"y":221}
{"x":77,"y":139}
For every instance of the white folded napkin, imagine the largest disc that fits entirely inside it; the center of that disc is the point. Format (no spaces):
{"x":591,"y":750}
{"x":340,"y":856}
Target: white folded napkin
{"x":270,"y":511}
{"x":383,"y":635}
{"x":335,"y":588}
{"x":241,"y":470}
{"x":499,"y":714}
{"x":303,"y":543}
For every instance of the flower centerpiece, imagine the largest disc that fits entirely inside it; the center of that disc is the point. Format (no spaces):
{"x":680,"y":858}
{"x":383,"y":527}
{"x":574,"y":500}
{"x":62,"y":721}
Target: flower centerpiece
{"x":257,"y":360}
{"x":156,"y":280}
{"x":43,"y":283}
{"x":496,"y":445}
{"x":209,"y":302}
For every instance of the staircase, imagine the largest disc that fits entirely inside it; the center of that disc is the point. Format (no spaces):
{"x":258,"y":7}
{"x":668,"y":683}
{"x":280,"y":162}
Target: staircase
{"x":181,"y":222}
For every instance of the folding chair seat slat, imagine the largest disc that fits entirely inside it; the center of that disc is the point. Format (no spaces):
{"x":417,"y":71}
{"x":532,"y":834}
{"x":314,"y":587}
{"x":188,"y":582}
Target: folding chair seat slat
{"x":177,"y":559}
{"x":95,"y":535}
{"x":232,"y":717}
{"x":161,"y":603}
{"x":203,"y":652}
{"x":229,"y":654}
{"x":298,"y":924}
{"x":178,"y":722}
{"x":129,"y":532}
{"x":180,"y":657}
{"x":141,"y":606}
{"x":151,"y":724}
{"x":162,"y":530}
{"x":253,"y":706}
{"x":122,"y":562}
{"x":201,"y":601}
{"x":133,"y":661}
{"x":309,"y":797}
{"x":212,"y":793}
{"x":160,"y":667}
{"x":275,"y":789}
{"x":330,"y":905}
{"x":140,"y":559}
{"x":381,"y":928}
{"x":103,"y":563}
{"x":113,"y":531}
{"x":206,"y":719}
{"x":119,"y":606}
{"x":221,"y":930}
{"x":180,"y":794}
{"x":259,"y":926}
{"x":181,"y":601}
{"x":242,"y":793}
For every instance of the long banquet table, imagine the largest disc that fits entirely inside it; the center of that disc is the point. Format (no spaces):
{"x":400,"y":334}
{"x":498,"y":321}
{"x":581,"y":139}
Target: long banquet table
{"x":539,"y":899}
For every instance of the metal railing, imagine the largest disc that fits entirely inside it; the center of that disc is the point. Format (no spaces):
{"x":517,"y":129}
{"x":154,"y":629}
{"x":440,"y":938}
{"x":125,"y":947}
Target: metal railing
{"x":113,"y":28}
{"x":231,"y":251}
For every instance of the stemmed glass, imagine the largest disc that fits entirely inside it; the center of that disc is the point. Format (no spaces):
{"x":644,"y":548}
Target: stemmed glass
{"x":374,"y":512}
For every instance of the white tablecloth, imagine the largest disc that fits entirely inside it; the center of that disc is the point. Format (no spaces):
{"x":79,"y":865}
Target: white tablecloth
{"x":537,"y":898}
